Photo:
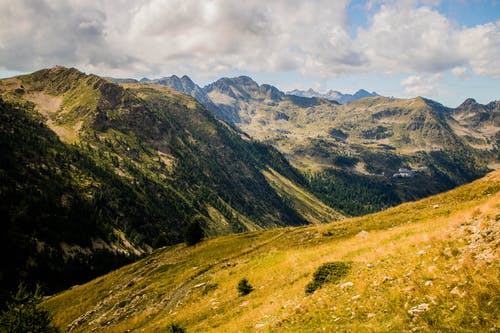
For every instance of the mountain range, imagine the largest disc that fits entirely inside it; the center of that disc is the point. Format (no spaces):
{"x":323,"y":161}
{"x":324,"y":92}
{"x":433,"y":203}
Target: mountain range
{"x":333,"y":95}
{"x":365,"y":142}
{"x":99,"y":172}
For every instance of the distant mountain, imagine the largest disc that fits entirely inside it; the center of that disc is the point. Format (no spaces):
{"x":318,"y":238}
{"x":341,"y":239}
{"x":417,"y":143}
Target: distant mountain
{"x":365,"y":143}
{"x":183,"y":84}
{"x":95,"y":173}
{"x":334,"y":95}
{"x":478,"y":124}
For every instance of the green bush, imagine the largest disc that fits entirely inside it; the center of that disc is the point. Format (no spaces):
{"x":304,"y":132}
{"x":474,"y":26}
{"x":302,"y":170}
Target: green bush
{"x":175,"y":328}
{"x":193,"y":233}
{"x":244,"y":288}
{"x":23,"y":314}
{"x":328,"y":272}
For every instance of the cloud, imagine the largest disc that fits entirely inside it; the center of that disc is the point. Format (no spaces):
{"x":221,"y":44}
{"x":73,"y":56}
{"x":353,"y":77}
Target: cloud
{"x":250,"y":35}
{"x":36,"y":34}
{"x":410,"y":36}
{"x":461,"y":72}
{"x":403,"y":38}
{"x":214,"y":37}
{"x":422,"y":85}
{"x":480,"y":45}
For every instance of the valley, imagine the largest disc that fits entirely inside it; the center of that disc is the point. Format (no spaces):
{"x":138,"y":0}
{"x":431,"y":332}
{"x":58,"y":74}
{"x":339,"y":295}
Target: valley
{"x":367,"y":140}
{"x":95,"y":174}
{"x":249,"y":167}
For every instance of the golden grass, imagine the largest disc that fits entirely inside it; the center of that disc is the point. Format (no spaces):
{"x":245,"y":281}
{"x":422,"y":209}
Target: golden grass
{"x":415,"y":268}
{"x":306,"y":204}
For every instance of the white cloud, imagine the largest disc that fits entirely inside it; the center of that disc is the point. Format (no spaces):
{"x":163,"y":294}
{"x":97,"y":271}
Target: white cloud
{"x":408,"y":36}
{"x":461,"y":72}
{"x":480,"y":45}
{"x":213,"y":37}
{"x":35,"y":34}
{"x":250,"y":35}
{"x":403,"y":38}
{"x":422,"y":85}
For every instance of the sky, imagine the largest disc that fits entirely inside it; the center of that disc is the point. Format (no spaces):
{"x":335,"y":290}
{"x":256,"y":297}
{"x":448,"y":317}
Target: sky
{"x":445,"y":50}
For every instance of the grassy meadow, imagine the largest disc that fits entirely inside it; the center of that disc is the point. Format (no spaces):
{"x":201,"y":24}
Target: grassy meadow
{"x":426,"y":266}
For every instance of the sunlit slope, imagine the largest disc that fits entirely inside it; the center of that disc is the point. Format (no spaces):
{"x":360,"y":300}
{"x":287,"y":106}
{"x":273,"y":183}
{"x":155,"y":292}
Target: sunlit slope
{"x":424,"y":266}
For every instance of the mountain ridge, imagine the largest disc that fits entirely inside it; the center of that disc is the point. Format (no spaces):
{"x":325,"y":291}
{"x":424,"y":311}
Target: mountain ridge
{"x":141,"y":161}
{"x":334,"y":95}
{"x":368,"y":137}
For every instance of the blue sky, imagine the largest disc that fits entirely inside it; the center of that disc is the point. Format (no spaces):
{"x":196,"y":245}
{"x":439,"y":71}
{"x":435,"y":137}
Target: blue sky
{"x":444,"y":50}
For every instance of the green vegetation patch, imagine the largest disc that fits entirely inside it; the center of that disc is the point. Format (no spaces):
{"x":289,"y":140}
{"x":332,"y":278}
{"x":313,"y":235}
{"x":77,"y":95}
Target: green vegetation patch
{"x":330,"y":272}
{"x":175,"y":328}
{"x":244,"y":287}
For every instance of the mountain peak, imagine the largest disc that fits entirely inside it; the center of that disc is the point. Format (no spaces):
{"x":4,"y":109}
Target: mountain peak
{"x":362,"y":93}
{"x":60,"y":79}
{"x":333,"y":95}
{"x":246,"y":80}
{"x":468,"y":102}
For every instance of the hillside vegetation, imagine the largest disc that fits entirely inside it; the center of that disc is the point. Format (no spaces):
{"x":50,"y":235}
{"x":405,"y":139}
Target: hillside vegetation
{"x":95,"y":174}
{"x":425,"y":266}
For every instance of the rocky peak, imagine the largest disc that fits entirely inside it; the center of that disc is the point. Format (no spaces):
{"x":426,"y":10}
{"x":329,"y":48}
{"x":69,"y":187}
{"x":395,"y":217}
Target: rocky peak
{"x":468,"y":103}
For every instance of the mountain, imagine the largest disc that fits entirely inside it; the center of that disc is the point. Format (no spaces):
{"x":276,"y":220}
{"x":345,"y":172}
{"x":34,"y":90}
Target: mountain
{"x":380,"y":151}
{"x":425,"y":266}
{"x":334,"y":95}
{"x":478,"y":124}
{"x":95,"y":174}
{"x":183,"y":84}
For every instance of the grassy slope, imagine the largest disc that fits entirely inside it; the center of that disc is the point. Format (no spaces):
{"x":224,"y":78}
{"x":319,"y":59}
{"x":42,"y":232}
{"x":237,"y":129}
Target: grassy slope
{"x":440,"y":251}
{"x":305,"y":203}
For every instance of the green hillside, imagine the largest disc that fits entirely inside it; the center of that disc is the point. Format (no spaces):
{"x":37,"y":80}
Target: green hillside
{"x":426,"y":266}
{"x":95,"y":174}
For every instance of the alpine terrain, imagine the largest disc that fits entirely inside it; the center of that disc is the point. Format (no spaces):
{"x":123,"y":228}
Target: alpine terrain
{"x":95,"y":174}
{"x":375,"y":151}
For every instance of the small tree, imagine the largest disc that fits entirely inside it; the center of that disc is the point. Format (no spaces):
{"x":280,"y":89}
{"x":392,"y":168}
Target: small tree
{"x":175,"y":328}
{"x":244,"y":288}
{"x":331,"y":272}
{"x":193,"y":233}
{"x":23,"y":313}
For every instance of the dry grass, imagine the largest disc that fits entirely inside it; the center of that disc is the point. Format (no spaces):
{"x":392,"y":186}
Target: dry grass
{"x":414,"y":268}
{"x":310,"y":207}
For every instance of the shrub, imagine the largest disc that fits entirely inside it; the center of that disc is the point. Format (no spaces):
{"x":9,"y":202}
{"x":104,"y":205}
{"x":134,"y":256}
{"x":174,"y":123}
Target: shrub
{"x":23,"y":313}
{"x":175,"y":328}
{"x":193,"y":233}
{"x":244,"y":288}
{"x":328,"y":272}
